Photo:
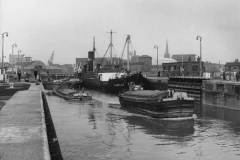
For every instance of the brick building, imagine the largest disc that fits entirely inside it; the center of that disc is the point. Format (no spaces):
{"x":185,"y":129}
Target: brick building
{"x":232,"y":66}
{"x":17,"y":59}
{"x":184,"y":57}
{"x":141,"y":63}
{"x":182,"y":69}
{"x":138,"y":63}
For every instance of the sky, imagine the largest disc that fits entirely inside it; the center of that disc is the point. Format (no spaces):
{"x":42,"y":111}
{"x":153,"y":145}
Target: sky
{"x":68,"y":26}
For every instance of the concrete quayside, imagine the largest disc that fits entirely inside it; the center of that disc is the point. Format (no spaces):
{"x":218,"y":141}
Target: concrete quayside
{"x":24,"y":127}
{"x":221,"y":99}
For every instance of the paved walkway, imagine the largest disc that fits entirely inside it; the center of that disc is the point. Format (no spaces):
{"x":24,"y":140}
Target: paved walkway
{"x":22,"y":128}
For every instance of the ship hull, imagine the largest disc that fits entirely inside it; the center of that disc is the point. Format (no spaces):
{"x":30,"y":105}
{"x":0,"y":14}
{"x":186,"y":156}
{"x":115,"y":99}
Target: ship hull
{"x":50,"y":85}
{"x":113,"y":86}
{"x":159,"y":109}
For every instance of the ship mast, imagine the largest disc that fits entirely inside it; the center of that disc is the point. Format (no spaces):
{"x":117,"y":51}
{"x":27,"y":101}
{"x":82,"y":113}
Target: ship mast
{"x":94,"y":48}
{"x":111,"y":45}
{"x":128,"y":40}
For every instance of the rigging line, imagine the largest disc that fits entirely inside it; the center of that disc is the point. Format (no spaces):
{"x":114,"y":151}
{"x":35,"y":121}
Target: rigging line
{"x":121,"y":58}
{"x":116,"y":51}
{"x":110,"y":46}
{"x":131,"y":49}
{"x":131,"y":45}
{"x":105,"y":54}
{"x":114,"y":56}
{"x":127,"y":42}
{"x":124,"y":48}
{"x":111,"y":43}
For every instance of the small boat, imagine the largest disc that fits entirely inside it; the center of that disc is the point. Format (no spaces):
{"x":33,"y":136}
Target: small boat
{"x":72,"y":95}
{"x":50,"y":85}
{"x":66,"y":90}
{"x":158,"y":104}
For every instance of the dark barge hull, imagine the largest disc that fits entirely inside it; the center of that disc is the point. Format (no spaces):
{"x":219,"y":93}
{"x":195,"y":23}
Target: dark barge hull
{"x":163,"y":109}
{"x":53,"y":85}
{"x":69,"y":97}
{"x":50,"y":85}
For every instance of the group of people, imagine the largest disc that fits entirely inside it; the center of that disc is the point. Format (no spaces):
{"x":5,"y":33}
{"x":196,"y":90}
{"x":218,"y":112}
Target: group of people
{"x":231,"y":76}
{"x":238,"y":76}
{"x":19,"y":74}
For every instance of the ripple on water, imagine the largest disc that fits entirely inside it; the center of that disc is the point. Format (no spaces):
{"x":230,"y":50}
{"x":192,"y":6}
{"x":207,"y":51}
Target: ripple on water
{"x":98,"y":130}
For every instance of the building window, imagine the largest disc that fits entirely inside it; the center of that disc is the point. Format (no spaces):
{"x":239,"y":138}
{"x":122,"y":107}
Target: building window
{"x":175,"y":67}
{"x":235,"y":68}
{"x":195,"y":68}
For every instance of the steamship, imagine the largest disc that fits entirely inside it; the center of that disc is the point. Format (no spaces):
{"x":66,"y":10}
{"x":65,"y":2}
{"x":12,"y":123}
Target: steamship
{"x":110,"y":77}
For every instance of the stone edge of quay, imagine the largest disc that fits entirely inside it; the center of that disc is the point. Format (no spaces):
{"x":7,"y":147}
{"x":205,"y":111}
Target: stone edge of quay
{"x":46,"y":151}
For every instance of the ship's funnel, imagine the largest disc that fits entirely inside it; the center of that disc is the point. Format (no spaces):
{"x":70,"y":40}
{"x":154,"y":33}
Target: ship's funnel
{"x":91,"y":57}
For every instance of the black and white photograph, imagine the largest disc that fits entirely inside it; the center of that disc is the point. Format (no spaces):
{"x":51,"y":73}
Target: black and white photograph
{"x":119,"y":79}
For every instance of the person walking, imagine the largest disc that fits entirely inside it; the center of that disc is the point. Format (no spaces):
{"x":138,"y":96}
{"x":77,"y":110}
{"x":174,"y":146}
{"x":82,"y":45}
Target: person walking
{"x":237,"y":76}
{"x":19,"y":75}
{"x":224,"y":76}
{"x":35,"y":74}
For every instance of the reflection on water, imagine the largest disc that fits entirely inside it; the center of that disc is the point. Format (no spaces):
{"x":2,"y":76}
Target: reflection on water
{"x":157,"y":127}
{"x":93,"y":130}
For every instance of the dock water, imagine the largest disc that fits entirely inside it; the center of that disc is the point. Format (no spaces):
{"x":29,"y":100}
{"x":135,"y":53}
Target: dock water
{"x":97,"y":131}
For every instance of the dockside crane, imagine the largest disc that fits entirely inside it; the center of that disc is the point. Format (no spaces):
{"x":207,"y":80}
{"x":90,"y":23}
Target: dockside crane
{"x":127,"y":44}
{"x":50,"y":61}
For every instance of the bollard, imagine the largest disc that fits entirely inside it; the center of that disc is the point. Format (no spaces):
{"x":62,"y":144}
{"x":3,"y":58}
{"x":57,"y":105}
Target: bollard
{"x":11,"y":85}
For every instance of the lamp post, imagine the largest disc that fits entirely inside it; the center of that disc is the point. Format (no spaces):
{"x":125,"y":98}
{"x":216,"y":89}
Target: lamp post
{"x":11,"y":57}
{"x":156,"y":47}
{"x":182,"y":70}
{"x":19,"y":51}
{"x":2,"y":71}
{"x":22,"y":63}
{"x":14,"y":45}
{"x":200,"y":66}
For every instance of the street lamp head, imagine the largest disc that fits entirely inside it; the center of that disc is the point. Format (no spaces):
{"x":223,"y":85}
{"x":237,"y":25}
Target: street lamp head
{"x":5,"y":34}
{"x":198,"y":38}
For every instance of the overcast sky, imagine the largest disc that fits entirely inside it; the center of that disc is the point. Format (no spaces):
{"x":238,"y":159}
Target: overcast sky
{"x":67,"y":26}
